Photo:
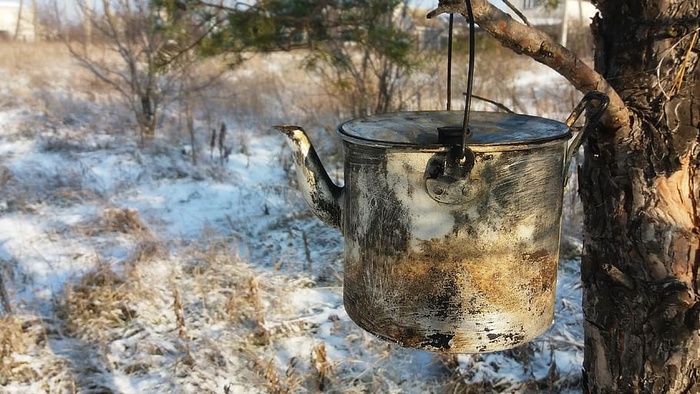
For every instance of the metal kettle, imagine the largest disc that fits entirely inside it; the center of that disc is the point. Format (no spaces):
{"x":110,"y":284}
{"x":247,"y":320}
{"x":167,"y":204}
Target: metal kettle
{"x":458,"y":258}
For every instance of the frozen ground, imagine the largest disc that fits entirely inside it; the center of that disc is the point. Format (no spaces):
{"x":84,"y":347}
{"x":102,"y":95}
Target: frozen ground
{"x":129,"y":270}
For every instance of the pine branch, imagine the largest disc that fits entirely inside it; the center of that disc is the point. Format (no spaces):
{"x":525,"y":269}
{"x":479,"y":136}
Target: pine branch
{"x":539,"y":46}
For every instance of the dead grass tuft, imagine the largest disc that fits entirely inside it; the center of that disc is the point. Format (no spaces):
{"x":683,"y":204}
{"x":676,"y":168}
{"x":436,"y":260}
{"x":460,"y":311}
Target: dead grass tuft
{"x":100,"y":301}
{"x":147,"y":250}
{"x":24,"y":356}
{"x":273,"y":382}
{"x":123,"y":220}
{"x":12,"y":341}
{"x":187,"y":359}
{"x":128,"y":221}
{"x":261,"y":336}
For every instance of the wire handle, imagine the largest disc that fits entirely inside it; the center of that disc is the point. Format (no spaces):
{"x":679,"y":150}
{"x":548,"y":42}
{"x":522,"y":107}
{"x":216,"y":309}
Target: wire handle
{"x":466,"y":132}
{"x":449,"y":132}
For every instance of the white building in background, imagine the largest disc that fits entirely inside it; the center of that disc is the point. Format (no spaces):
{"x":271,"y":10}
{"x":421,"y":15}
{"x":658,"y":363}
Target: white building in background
{"x":558,"y":19}
{"x":17,"y":22}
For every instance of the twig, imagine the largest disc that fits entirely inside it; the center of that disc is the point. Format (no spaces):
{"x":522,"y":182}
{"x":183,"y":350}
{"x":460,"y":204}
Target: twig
{"x":517,"y":12}
{"x":181,"y":327}
{"x":496,"y":103}
{"x":678,"y":80}
{"x":618,"y":276}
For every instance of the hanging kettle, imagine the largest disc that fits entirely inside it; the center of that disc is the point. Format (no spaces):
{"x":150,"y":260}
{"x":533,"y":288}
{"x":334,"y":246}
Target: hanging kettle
{"x":444,"y":254}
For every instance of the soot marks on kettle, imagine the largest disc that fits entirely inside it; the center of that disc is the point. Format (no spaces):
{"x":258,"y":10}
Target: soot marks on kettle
{"x":329,"y":211}
{"x":408,"y":170}
{"x":387,"y":227}
{"x":439,"y":341}
{"x":389,"y":223}
{"x":512,"y":337}
{"x":445,"y":302}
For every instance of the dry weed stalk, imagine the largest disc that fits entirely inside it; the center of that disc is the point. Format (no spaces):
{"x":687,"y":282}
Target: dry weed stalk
{"x":261,"y":336}
{"x":321,"y":367}
{"x":307,"y":250}
{"x":273,"y":382}
{"x":187,"y":359}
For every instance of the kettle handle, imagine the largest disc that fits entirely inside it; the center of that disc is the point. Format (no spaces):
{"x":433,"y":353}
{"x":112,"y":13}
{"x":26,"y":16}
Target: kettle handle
{"x":594,"y":116}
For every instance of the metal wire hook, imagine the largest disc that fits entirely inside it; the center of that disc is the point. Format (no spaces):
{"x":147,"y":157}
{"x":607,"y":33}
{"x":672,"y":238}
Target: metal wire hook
{"x":466,"y":131}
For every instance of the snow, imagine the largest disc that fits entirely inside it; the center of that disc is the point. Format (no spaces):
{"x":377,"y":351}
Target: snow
{"x":259,"y":279}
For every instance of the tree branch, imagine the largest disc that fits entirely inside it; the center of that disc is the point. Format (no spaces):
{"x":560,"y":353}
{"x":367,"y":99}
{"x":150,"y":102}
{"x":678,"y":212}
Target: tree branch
{"x":539,"y":46}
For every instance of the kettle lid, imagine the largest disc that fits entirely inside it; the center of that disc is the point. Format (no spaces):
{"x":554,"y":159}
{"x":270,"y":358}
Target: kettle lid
{"x":420,"y":129}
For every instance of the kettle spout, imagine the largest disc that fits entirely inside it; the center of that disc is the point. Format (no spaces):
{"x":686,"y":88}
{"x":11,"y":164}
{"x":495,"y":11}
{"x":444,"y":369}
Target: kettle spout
{"x":320,"y":193}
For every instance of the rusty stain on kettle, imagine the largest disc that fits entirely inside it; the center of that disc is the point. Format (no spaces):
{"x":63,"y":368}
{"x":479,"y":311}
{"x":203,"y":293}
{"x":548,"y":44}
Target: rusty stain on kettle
{"x":443,"y":282}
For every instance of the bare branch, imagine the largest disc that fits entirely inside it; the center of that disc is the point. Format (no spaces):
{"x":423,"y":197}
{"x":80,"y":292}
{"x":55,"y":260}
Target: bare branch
{"x":539,"y":46}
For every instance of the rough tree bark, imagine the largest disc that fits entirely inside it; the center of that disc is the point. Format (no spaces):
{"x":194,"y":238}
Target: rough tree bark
{"x":639,"y":187}
{"x":640,"y":194}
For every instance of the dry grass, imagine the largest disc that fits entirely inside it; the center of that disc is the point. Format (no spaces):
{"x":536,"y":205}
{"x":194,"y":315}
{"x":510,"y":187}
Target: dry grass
{"x":102,"y":299}
{"x":321,"y":368}
{"x":27,"y":58}
{"x":317,"y":377}
{"x":127,"y":221}
{"x":30,"y":64}
{"x":26,"y":358}
{"x":273,"y":382}
{"x":12,"y":341}
{"x":99,"y":302}
{"x":123,"y":220}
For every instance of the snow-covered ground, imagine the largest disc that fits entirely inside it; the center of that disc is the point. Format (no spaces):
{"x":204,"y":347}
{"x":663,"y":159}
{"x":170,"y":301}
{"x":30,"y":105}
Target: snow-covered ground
{"x":131,"y":270}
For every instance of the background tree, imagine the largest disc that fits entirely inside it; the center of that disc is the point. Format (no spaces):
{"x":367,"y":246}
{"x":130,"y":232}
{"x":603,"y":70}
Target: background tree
{"x":356,"y":48}
{"x":143,"y":49}
{"x":639,"y":186}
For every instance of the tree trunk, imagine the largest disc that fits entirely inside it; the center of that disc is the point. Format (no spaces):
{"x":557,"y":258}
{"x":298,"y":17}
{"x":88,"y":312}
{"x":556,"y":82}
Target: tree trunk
{"x":19,"y":20}
{"x":147,"y":117}
{"x":639,"y":188}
